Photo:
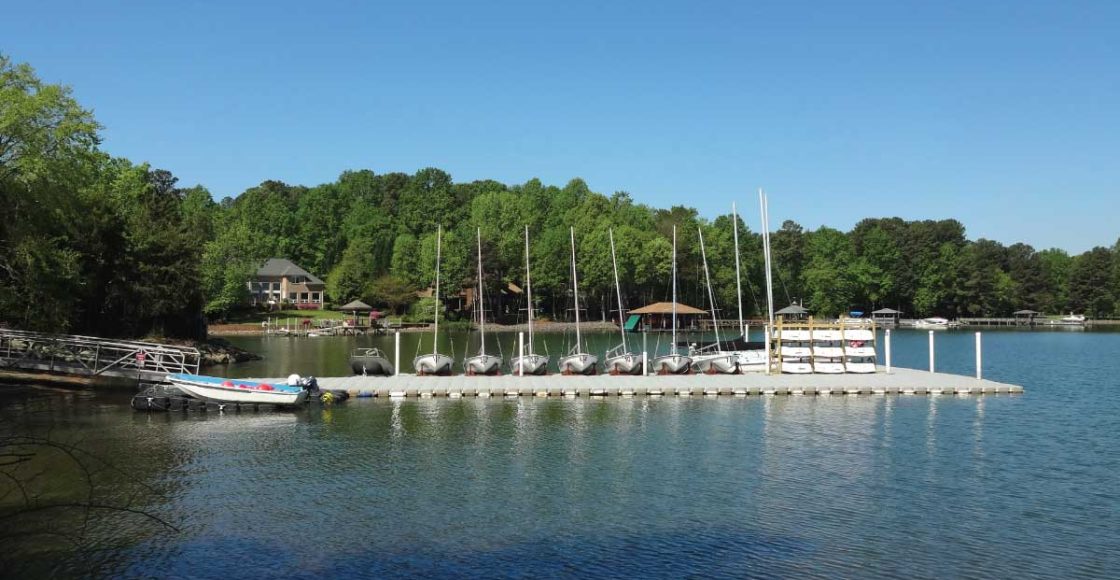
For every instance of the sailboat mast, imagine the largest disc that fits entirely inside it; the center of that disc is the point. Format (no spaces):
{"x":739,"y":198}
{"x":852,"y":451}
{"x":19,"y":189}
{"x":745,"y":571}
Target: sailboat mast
{"x":618,"y":291}
{"x":738,"y":276}
{"x":575,"y":287}
{"x":529,"y":289}
{"x":439,"y":240}
{"x":481,"y":306}
{"x":765,"y":207}
{"x":708,"y":279}
{"x":674,"y":289}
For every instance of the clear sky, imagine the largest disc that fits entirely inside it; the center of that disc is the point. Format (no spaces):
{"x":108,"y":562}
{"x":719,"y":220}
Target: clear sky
{"x":1002,"y":114}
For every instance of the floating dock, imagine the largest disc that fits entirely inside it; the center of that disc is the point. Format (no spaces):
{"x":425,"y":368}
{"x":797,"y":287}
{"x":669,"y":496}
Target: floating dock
{"x":899,"y":381}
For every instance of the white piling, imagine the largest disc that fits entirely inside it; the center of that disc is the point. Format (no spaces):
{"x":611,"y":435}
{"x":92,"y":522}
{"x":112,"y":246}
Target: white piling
{"x":521,"y":354}
{"x":979,"y":358}
{"x":397,"y":352}
{"x":769,"y":361}
{"x":888,"y":349}
{"x":931,"y":351}
{"x":645,"y":355}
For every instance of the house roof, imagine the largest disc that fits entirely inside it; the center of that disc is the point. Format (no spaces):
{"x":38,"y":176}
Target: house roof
{"x":356,"y":306}
{"x":281,"y":267}
{"x":667,"y":308}
{"x":793,"y":309}
{"x":1025,"y":313}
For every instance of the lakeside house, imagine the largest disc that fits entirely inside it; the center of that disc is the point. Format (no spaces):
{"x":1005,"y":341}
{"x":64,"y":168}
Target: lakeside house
{"x":279,"y":281}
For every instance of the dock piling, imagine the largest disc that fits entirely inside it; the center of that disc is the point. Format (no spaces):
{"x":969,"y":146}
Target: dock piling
{"x":979,"y":358}
{"x":397,"y":352}
{"x":888,"y":349}
{"x":931,"y":351}
{"x":521,"y":353}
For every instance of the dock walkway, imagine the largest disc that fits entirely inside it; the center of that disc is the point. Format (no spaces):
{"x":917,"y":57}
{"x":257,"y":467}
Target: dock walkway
{"x":899,"y":381}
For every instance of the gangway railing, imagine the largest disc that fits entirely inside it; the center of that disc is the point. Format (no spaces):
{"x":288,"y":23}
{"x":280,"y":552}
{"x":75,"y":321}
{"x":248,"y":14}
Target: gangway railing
{"x":93,"y":356}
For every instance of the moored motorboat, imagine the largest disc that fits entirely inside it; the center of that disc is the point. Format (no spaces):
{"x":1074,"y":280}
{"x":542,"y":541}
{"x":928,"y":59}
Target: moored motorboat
{"x":932,"y":323}
{"x":371,"y":362}
{"x":230,"y":391}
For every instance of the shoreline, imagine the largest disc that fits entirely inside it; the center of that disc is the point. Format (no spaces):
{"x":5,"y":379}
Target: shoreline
{"x":220,"y":330}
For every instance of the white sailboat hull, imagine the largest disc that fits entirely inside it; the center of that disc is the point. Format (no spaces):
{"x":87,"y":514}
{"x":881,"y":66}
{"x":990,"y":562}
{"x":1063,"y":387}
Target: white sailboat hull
{"x":716,"y":364}
{"x":672,"y":364}
{"x":750,"y":360}
{"x":578,"y":364}
{"x":535,"y":364}
{"x":483,"y":364}
{"x":624,"y":364}
{"x":432,"y":364}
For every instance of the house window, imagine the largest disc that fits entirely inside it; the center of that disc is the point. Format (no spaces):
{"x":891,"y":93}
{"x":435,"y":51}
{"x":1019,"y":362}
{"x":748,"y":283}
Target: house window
{"x":303,"y":297}
{"x":292,"y":296}
{"x":315,"y":297}
{"x":276,"y":286}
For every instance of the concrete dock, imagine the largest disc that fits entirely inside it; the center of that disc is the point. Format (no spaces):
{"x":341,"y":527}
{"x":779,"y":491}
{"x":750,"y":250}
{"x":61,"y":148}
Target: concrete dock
{"x":899,"y":381}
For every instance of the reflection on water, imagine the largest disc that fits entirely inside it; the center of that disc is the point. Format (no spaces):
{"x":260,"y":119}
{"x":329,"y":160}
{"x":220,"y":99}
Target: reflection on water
{"x":906,"y":486}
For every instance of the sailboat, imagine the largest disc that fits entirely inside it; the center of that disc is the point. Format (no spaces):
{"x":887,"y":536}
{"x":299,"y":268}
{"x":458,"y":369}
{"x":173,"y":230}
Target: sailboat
{"x":481,"y":363}
{"x":534,"y":364}
{"x":750,"y":356}
{"x":619,"y":360}
{"x":577,"y":362}
{"x":712,"y":359}
{"x":673,"y":363}
{"x":434,"y":363}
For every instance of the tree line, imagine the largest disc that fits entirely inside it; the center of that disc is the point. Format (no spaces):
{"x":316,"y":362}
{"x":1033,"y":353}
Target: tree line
{"x":98,"y":244}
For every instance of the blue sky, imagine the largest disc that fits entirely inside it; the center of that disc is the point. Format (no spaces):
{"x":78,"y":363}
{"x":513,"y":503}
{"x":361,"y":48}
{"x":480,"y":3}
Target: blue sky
{"x":1004,"y":115}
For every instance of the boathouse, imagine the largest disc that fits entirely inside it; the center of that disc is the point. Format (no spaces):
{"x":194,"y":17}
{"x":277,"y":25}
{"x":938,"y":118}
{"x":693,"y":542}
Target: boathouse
{"x":887,"y":317}
{"x":659,"y":316}
{"x":280,"y":282}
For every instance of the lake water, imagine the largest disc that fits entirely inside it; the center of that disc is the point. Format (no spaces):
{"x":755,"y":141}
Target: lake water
{"x":933,"y":487}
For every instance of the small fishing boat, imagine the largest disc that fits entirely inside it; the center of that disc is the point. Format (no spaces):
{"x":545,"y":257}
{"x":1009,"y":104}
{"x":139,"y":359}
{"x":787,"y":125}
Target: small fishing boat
{"x":673,"y":363}
{"x":577,"y":362}
{"x":224,"y":391}
{"x":1070,"y":320}
{"x":534,"y":364}
{"x":933,"y":323}
{"x":434,"y":363}
{"x":370,"y":362}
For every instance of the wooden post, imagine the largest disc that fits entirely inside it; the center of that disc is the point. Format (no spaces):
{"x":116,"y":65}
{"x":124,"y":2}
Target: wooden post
{"x":397,"y":353}
{"x":979,"y":358}
{"x":645,"y":353}
{"x":931,"y":351}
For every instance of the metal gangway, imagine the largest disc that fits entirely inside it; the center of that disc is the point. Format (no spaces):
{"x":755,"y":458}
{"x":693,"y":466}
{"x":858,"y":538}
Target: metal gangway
{"x":92,"y":356}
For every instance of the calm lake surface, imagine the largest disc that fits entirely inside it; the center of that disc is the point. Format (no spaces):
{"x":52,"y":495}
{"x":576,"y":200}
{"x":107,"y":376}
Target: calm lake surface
{"x":934,"y":487}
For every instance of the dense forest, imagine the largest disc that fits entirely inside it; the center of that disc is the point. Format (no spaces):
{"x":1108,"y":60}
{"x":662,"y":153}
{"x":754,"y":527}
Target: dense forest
{"x":98,"y":244}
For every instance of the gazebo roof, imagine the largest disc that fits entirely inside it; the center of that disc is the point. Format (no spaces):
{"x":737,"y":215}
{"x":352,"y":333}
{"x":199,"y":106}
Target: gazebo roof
{"x":667,"y":308}
{"x":793,"y":309}
{"x":1025,"y":312}
{"x":887,"y":311}
{"x":356,"y":306}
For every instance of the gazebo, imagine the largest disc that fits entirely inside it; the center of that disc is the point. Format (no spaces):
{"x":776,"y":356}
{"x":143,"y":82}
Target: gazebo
{"x":886,"y":316}
{"x":793,"y":311}
{"x":1025,"y":317}
{"x":356,"y":307}
{"x":659,"y":316}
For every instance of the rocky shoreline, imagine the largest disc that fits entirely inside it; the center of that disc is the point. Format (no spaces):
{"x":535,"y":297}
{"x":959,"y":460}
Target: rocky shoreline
{"x":215,"y":351}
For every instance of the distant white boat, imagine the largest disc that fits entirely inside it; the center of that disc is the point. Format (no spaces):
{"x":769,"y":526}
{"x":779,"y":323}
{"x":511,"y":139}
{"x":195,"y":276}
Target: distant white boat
{"x":933,"y":323}
{"x":1072,"y":319}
